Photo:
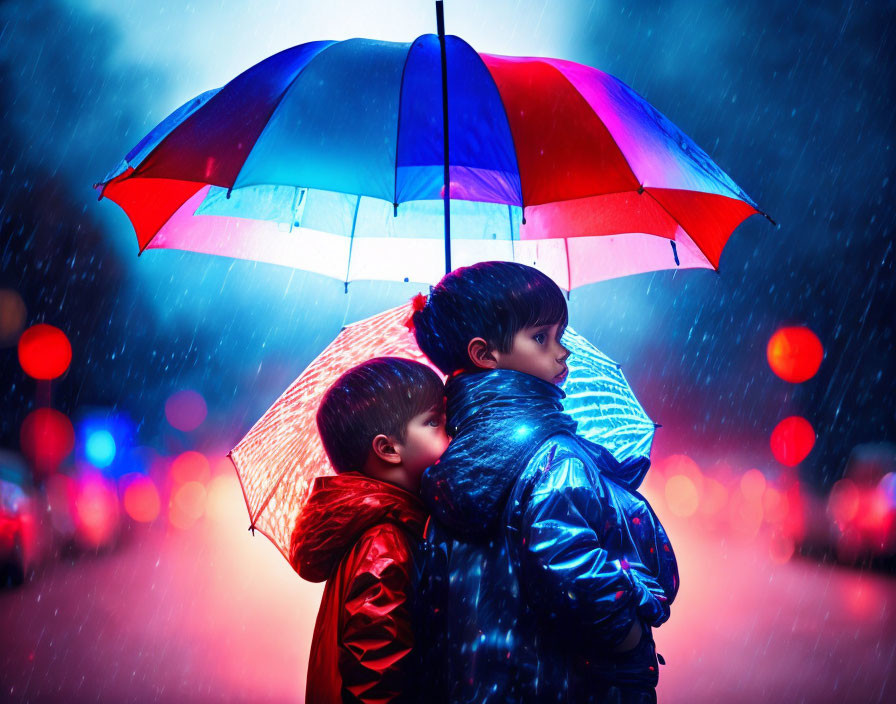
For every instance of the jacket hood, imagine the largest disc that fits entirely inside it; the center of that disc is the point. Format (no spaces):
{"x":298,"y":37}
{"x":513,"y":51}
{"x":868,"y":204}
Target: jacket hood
{"x":499,"y":418}
{"x":339,"y":510}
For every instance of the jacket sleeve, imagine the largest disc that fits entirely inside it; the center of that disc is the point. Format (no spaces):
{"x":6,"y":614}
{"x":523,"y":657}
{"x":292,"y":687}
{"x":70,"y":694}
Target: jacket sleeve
{"x":566,"y":567}
{"x":376,"y":634}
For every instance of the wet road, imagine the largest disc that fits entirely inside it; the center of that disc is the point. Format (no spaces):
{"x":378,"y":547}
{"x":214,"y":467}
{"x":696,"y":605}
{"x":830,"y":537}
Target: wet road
{"x":213,"y":614}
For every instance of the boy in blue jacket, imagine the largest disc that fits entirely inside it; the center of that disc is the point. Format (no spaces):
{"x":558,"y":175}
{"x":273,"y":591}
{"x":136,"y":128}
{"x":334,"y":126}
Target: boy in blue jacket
{"x":548,"y":569}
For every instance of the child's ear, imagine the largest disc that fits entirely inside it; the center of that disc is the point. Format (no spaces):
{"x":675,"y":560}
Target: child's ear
{"x":480,"y":353}
{"x":384,"y":448}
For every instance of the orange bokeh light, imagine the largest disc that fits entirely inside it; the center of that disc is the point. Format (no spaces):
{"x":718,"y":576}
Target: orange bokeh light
{"x":187,"y":505}
{"x":752,"y":484}
{"x":681,"y":495}
{"x":774,"y":505}
{"x":792,"y":440}
{"x":141,"y":500}
{"x":781,"y":548}
{"x":715,"y":497}
{"x":12,"y":317}
{"x":795,"y":354}
{"x":225,"y":500}
{"x":96,"y":506}
{"x":44,"y":352}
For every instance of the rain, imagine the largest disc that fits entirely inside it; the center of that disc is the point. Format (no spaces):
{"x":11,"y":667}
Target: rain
{"x":175,"y":355}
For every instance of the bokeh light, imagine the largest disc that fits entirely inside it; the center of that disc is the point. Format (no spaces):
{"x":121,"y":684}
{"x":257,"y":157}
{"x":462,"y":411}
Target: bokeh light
{"x":843,"y":502}
{"x":792,"y":440}
{"x":887,"y":487}
{"x":190,"y":466}
{"x":681,"y":495}
{"x":187,"y":505}
{"x":185,"y":410}
{"x":781,"y":548}
{"x":752,"y":484}
{"x":225,"y":500}
{"x":61,"y":493}
{"x":100,"y":448}
{"x":795,"y":354}
{"x":774,"y":505}
{"x":715,"y":497}
{"x":97,"y":510}
{"x":12,"y":317}
{"x":141,"y":498}
{"x":44,"y":352}
{"x":47,"y":437}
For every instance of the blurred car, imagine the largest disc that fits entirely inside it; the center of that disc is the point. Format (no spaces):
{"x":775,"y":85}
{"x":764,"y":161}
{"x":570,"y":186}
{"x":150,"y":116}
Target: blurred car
{"x":856,"y":519}
{"x":21,"y":544}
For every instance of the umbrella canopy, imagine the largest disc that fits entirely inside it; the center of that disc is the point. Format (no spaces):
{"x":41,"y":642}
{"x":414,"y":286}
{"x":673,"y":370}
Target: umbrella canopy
{"x":330,"y":156}
{"x":281,"y":455}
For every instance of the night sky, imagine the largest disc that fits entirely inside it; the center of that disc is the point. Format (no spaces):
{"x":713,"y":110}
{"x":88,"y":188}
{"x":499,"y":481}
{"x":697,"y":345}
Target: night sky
{"x":793,"y":100}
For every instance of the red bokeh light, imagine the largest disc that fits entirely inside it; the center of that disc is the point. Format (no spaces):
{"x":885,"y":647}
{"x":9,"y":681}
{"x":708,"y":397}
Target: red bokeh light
{"x":795,"y":354}
{"x":47,"y":438}
{"x":44,"y":352}
{"x":792,"y":440}
{"x":185,"y":410}
{"x":141,"y":499}
{"x":190,"y":466}
{"x":843,"y":502}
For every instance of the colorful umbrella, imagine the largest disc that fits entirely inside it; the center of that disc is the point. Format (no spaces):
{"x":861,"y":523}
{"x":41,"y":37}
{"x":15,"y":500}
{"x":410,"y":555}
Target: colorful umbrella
{"x":281,"y":455}
{"x":331,"y":157}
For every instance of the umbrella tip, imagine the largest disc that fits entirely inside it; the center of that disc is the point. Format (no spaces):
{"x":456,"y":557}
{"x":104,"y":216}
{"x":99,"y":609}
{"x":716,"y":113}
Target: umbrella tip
{"x":657,"y":425}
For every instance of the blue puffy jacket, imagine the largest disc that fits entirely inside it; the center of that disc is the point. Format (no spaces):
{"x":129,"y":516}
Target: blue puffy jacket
{"x":542,"y":554}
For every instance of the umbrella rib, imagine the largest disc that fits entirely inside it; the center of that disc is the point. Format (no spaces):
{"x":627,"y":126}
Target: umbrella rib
{"x":398,"y":124}
{"x":672,"y":239}
{"x":509,"y":131}
{"x":280,"y":99}
{"x":351,"y":243}
{"x":598,"y":118}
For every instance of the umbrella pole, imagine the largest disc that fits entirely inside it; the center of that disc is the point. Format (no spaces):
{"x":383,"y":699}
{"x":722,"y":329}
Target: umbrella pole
{"x":440,"y":23}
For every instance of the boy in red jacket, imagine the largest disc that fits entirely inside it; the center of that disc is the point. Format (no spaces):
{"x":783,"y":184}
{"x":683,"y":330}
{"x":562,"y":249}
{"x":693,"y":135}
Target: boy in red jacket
{"x":382,"y":423}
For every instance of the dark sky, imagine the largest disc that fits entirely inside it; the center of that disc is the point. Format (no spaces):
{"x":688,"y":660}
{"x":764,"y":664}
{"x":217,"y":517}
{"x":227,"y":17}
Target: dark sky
{"x":793,"y":100}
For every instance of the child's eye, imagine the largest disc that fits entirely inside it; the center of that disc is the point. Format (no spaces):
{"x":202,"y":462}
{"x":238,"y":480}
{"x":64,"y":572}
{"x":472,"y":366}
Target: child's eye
{"x":540,"y":338}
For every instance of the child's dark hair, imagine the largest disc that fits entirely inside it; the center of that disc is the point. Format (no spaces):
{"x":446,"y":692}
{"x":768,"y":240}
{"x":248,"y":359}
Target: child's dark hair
{"x":491,"y":300}
{"x":379,"y":396}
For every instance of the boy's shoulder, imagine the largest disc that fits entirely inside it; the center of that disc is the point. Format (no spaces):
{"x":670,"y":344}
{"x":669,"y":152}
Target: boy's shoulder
{"x":559,"y":462}
{"x":383,"y":547}
{"x":352,"y":517}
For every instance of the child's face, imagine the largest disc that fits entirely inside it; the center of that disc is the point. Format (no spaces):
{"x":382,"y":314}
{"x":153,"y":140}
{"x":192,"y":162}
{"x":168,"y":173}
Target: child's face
{"x":537,"y":351}
{"x":425,"y":441}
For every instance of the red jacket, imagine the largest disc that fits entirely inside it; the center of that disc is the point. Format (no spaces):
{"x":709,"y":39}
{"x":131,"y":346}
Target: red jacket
{"x":360,"y":535}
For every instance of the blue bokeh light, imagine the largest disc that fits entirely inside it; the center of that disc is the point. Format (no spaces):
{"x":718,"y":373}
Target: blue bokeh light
{"x":100,"y":448}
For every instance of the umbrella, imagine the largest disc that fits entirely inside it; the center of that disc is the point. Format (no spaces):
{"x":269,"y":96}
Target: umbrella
{"x":281,"y":455}
{"x":365,"y":159}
